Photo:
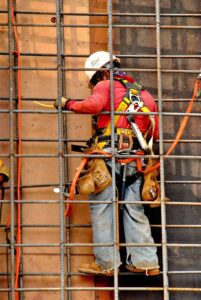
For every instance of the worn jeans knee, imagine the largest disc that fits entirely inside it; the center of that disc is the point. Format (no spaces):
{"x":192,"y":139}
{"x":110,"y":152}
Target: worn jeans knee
{"x":103,"y":229}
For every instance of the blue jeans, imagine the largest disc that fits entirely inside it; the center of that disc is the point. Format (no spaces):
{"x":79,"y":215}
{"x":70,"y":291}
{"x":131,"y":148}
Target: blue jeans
{"x":136,"y":227}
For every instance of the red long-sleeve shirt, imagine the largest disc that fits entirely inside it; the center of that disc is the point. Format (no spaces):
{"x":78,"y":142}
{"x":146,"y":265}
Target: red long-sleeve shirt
{"x":100,"y":101}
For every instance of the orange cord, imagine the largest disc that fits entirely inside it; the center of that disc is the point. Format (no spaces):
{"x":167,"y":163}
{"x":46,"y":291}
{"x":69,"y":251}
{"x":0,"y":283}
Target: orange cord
{"x":73,"y":186}
{"x":19,"y":160}
{"x":181,"y":128}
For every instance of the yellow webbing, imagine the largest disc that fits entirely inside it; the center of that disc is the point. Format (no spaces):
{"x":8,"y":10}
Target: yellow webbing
{"x":122,"y":107}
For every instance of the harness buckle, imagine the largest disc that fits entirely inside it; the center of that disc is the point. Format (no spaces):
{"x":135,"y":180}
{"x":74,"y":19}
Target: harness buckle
{"x":136,"y":101}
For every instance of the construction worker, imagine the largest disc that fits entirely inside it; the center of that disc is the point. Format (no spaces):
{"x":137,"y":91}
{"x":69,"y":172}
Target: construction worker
{"x":136,"y":225}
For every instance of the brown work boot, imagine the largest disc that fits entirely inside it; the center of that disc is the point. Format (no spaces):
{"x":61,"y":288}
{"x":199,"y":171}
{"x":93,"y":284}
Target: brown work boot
{"x":95,"y":269}
{"x":148,"y":272}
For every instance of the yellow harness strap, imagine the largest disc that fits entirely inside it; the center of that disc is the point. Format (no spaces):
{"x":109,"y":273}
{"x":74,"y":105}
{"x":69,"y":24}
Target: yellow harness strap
{"x":122,"y":107}
{"x":133,"y":89}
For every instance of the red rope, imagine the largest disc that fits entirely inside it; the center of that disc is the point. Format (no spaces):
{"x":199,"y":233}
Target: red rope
{"x":19,"y":159}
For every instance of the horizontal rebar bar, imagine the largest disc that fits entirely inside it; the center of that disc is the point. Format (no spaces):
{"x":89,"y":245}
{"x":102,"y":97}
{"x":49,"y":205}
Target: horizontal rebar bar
{"x":50,"y":99}
{"x":136,"y":245}
{"x":137,"y":14}
{"x":139,"y":289}
{"x":151,"y":289}
{"x":48,"y":140}
{"x":41,"y":155}
{"x":49,"y":274}
{"x":179,"y":203}
{"x":189,"y":71}
{"x":172,"y":226}
{"x":137,"y":26}
{"x":166,"y":56}
{"x":28,"y":111}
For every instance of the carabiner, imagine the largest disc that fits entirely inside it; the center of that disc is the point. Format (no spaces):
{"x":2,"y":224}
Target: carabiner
{"x":138,"y":102}
{"x":132,"y":108}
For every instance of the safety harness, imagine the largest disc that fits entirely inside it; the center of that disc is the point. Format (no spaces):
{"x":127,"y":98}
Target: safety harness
{"x":132,"y":102}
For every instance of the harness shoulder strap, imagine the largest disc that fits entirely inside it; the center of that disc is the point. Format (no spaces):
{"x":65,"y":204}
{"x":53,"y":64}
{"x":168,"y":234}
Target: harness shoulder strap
{"x":130,"y":85}
{"x":135,"y":89}
{"x":124,"y":104}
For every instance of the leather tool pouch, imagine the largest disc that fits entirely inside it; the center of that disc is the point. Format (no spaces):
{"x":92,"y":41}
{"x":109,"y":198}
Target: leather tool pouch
{"x":85,"y":183}
{"x":95,"y":178}
{"x":151,"y":187}
{"x":100,"y":174}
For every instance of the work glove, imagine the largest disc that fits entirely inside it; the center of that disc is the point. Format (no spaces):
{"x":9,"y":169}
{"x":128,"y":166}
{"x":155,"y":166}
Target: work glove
{"x":63,"y":102}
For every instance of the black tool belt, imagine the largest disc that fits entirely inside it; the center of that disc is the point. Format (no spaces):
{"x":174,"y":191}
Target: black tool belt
{"x":107,"y":139}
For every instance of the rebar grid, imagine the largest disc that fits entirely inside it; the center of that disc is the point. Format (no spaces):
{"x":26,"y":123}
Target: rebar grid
{"x":61,"y":70}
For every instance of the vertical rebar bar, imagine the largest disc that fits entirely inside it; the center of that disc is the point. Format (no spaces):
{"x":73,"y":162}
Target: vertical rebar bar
{"x":59,"y":91}
{"x":11,"y":129}
{"x":114,"y":199}
{"x":65,"y":134}
{"x":161,"y":151}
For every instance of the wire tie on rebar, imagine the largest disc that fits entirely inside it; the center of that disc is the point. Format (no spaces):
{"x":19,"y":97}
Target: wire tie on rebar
{"x":60,"y":153}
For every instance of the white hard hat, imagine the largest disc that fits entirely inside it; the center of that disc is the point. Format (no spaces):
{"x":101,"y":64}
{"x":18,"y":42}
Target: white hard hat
{"x":97,"y":60}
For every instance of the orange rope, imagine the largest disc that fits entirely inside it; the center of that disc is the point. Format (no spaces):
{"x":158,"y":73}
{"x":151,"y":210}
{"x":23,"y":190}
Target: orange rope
{"x":19,"y":160}
{"x":181,"y":128}
{"x":73,"y":186}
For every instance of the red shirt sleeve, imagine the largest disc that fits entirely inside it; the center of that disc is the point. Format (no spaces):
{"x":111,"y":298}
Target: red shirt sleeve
{"x":93,"y":104}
